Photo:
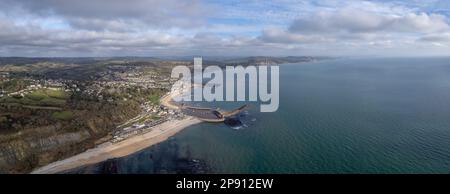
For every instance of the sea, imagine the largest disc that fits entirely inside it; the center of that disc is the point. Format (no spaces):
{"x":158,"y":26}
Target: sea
{"x":343,"y":115}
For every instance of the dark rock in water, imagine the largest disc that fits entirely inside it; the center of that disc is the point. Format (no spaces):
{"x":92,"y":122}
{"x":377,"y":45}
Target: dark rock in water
{"x":233,"y":122}
{"x":191,"y":166}
{"x":243,"y":120}
{"x":110,"y":167}
{"x":163,"y":158}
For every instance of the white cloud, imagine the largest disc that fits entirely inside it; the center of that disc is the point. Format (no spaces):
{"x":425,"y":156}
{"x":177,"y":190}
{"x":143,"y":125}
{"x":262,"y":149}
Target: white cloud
{"x":356,"y":21}
{"x":102,"y":14}
{"x":172,"y":27}
{"x":275,"y":35}
{"x":441,"y":37}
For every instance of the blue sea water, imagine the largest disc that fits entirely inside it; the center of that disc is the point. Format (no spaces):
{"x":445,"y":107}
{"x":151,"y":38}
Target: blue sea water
{"x":378,"y":115}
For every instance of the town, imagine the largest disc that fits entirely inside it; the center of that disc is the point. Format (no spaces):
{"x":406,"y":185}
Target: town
{"x":78,"y":106}
{"x":116,"y":80}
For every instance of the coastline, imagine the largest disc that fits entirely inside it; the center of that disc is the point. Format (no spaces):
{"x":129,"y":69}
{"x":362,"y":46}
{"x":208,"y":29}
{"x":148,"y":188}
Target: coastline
{"x":109,"y":150}
{"x":126,"y":147}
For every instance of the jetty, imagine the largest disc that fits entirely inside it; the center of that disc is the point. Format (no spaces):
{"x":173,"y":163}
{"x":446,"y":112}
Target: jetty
{"x":202,"y":113}
{"x":211,"y":114}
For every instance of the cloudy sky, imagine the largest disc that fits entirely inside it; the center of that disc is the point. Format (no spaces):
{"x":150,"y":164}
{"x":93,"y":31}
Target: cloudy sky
{"x":224,"y":28}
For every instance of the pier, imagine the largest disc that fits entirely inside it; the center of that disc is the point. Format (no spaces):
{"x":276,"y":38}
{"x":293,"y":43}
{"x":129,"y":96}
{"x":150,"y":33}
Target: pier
{"x":210,"y":114}
{"x":205,"y":114}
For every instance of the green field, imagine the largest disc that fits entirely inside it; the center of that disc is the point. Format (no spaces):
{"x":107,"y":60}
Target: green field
{"x":13,"y":85}
{"x":154,"y":98}
{"x":58,"y":94}
{"x":63,"y":115}
{"x":42,"y":97}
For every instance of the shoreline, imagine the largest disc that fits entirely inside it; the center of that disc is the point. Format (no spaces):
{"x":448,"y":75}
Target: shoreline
{"x":126,"y":147}
{"x":109,"y":150}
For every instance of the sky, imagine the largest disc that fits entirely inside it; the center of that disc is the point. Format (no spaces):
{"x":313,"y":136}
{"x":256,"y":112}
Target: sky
{"x":102,"y":28}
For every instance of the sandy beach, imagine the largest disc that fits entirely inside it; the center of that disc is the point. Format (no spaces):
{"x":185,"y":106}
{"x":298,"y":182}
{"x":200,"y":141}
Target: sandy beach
{"x":109,"y":150}
{"x":126,"y":147}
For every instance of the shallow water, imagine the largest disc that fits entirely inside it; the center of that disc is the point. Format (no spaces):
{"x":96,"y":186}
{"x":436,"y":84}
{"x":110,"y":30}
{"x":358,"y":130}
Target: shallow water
{"x":336,"y":116}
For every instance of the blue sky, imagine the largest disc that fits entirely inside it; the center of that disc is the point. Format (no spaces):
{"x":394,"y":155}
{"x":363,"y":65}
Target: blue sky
{"x":215,"y":27}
